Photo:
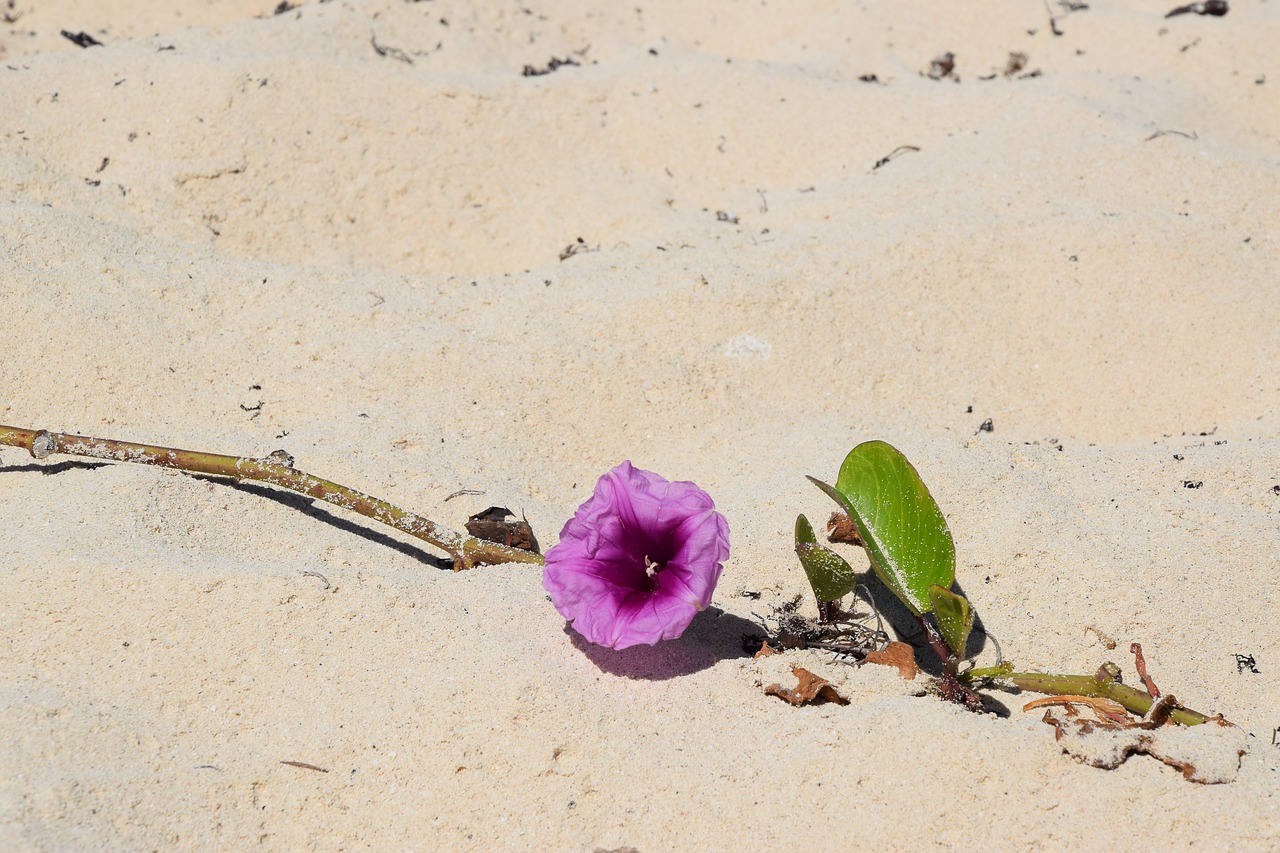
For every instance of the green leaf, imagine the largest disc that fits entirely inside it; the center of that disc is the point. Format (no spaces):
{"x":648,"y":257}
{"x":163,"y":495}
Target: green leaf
{"x":829,"y":575}
{"x":901,"y":527}
{"x":955,"y":617}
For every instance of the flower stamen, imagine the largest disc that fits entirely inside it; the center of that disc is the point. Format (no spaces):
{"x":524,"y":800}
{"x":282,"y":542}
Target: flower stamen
{"x":652,"y":567}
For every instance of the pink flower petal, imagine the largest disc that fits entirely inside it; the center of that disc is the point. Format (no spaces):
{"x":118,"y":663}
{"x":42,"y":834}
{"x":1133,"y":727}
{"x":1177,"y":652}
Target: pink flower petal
{"x":638,"y":559}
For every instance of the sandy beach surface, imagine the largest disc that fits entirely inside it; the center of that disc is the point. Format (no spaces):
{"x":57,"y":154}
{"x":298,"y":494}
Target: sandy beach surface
{"x":501,"y":246}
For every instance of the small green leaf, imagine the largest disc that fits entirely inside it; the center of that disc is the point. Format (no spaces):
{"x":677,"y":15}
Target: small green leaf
{"x":901,"y":527}
{"x":955,"y":617}
{"x":829,"y":575}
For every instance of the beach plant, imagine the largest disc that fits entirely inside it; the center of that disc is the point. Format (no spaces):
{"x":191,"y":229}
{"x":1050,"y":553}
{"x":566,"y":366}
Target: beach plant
{"x":633,"y":566}
{"x":911,"y":551}
{"x":643,"y":555}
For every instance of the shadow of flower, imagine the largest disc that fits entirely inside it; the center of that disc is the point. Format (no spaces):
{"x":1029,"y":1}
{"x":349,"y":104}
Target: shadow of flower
{"x":711,"y":637}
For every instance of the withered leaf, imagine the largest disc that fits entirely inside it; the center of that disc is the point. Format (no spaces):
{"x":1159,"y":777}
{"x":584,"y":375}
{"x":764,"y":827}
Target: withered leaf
{"x":896,"y":654}
{"x":840,"y":528}
{"x":492,"y":525}
{"x":810,"y":688}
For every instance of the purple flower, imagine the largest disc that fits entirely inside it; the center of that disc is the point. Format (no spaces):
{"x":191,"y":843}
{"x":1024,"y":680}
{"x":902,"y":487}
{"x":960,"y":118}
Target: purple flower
{"x":637,"y":560}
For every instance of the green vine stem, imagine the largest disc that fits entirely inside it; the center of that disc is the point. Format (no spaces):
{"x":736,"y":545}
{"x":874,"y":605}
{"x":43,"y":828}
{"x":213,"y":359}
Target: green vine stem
{"x":1105,"y":684}
{"x":276,"y":469}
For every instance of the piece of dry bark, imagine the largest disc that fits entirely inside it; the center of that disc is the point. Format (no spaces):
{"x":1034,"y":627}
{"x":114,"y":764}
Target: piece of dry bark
{"x":897,"y":654}
{"x":809,"y":689}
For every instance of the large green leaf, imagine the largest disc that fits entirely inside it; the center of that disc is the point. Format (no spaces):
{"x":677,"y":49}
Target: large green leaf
{"x":829,"y":575}
{"x":901,"y":527}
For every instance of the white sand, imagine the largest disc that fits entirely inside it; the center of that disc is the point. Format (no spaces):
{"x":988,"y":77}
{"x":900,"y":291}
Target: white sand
{"x":214,"y":210}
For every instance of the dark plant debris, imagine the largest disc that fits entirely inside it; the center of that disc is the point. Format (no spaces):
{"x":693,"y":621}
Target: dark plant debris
{"x":1244,"y":662}
{"x":392,"y":52}
{"x":81,"y":39}
{"x":552,"y":65}
{"x":942,"y":67}
{"x":1013,"y":67}
{"x":1216,"y":8}
{"x":901,"y":149}
{"x":1068,"y":6}
{"x":577,"y":247}
{"x":305,"y":766}
{"x":1017,"y":61}
{"x":845,"y":633}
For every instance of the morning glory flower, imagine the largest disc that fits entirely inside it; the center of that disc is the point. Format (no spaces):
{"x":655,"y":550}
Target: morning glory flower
{"x":638,"y":559}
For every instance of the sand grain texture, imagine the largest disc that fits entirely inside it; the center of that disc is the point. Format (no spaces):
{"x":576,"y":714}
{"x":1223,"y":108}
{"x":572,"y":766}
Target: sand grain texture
{"x":339,"y":230}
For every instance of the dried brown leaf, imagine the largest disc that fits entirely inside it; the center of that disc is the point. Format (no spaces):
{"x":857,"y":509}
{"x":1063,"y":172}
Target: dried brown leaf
{"x":840,"y":528}
{"x":809,"y":689}
{"x":492,"y":525}
{"x":896,"y":654}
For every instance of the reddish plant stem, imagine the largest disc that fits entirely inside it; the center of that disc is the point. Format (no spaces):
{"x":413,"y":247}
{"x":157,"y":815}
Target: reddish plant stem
{"x":945,"y":656}
{"x":276,"y":469}
{"x":1140,"y":663}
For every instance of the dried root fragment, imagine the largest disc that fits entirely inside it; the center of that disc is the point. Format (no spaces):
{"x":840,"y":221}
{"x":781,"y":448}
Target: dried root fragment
{"x":1106,"y":709}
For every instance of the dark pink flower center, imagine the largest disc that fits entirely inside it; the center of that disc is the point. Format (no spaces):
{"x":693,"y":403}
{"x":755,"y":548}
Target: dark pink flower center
{"x":656,"y":556}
